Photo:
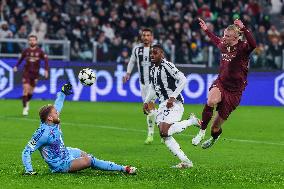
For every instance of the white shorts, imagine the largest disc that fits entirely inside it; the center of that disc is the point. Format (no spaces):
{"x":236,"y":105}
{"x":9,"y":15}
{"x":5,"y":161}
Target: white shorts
{"x":172,"y":115}
{"x":144,"y":91}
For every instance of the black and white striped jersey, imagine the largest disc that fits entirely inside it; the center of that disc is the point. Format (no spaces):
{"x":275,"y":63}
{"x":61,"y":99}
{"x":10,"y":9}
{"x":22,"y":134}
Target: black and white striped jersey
{"x":166,"y":81}
{"x":141,"y":56}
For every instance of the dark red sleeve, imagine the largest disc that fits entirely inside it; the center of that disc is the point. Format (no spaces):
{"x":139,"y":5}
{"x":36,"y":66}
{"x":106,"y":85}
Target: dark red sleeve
{"x":45,"y":58}
{"x":251,"y":43}
{"x":216,"y":40}
{"x":23,"y":55}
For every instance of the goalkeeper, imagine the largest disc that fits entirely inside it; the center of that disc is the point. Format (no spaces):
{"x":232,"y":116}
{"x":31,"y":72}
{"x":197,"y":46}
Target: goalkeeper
{"x":48,"y":138}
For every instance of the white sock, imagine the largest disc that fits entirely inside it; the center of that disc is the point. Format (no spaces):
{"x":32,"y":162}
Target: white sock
{"x":174,"y":147}
{"x":179,"y":126}
{"x":202,"y":132}
{"x":151,"y":121}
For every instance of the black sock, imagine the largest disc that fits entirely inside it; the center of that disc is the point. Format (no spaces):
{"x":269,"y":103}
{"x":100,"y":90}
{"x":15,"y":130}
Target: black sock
{"x":24,"y":100}
{"x":215,"y":135}
{"x":30,"y":96}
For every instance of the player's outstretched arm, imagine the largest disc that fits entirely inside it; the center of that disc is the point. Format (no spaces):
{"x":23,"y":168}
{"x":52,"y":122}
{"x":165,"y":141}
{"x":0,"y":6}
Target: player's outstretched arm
{"x":65,"y":91}
{"x":248,"y":34}
{"x":23,"y":55}
{"x":130,"y":66}
{"x":216,"y":40}
{"x":38,"y":139}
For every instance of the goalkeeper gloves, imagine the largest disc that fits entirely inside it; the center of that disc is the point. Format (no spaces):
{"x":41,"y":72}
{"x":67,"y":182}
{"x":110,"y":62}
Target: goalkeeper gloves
{"x":67,"y":89}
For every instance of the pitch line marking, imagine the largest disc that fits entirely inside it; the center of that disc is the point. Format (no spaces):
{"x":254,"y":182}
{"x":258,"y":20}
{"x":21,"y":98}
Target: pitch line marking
{"x":133,"y":130}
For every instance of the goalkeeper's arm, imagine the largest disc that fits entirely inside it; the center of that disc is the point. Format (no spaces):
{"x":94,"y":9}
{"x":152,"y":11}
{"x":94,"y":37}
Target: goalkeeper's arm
{"x":39,"y":138}
{"x":65,"y":90}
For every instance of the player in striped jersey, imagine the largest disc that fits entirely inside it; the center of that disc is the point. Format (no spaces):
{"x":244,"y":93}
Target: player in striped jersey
{"x":167,"y":82}
{"x":141,"y":56}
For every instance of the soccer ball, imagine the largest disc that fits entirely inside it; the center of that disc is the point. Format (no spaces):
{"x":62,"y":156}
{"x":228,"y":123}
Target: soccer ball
{"x":87,"y":76}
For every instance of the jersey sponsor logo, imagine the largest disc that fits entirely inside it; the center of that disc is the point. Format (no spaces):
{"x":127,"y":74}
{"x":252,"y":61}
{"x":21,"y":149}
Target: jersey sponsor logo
{"x":6,"y":78}
{"x":32,"y":144}
{"x":279,"y":88}
{"x":34,"y":140}
{"x":228,"y":57}
{"x":33,"y":59}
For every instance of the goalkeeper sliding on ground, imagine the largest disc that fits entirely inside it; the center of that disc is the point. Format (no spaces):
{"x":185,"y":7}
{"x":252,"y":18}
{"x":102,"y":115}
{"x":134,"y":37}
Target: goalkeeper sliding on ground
{"x":48,"y":138}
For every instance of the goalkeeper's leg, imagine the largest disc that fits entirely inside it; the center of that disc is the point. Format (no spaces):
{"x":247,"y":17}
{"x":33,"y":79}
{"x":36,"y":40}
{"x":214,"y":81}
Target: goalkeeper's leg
{"x":86,"y":161}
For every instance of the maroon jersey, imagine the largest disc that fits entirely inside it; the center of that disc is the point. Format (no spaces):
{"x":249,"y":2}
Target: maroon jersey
{"x":234,"y":61}
{"x":33,"y":57}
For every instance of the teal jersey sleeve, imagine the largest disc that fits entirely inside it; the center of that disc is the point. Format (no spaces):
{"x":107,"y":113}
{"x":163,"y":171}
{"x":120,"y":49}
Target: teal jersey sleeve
{"x":58,"y":104}
{"x":39,"y":138}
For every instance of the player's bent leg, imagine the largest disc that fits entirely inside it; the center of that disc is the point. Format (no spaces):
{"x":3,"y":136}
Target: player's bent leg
{"x":178,"y":127}
{"x":214,"y":97}
{"x":151,"y":121}
{"x":26,"y":87}
{"x":80,"y":163}
{"x":164,"y":128}
{"x":174,"y":147}
{"x":32,"y":85}
{"x":216,"y":131}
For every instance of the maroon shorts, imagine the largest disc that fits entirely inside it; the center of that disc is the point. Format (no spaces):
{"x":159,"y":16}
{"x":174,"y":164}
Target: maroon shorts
{"x":30,"y":79}
{"x":229,"y":100}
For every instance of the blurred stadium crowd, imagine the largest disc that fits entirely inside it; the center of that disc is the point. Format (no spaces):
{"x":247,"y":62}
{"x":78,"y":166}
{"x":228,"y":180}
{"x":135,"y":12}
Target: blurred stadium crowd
{"x":115,"y":25}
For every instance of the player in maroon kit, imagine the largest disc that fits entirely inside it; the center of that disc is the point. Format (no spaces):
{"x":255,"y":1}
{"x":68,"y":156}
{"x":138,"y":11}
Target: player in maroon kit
{"x":32,"y":55}
{"x":226,"y":91}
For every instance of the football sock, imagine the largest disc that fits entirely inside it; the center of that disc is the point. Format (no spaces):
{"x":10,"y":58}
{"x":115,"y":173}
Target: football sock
{"x":24,"y":100}
{"x":174,"y":147}
{"x":106,"y":165}
{"x":179,"y":126}
{"x":30,"y":97}
{"x":151,"y":120}
{"x":206,"y":116}
{"x":202,"y":132}
{"x":215,"y":135}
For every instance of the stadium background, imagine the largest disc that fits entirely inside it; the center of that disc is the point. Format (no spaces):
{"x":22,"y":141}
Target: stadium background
{"x":100,"y":34}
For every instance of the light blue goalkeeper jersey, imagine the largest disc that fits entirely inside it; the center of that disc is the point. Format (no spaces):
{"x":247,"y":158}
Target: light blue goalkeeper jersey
{"x":48,"y":139}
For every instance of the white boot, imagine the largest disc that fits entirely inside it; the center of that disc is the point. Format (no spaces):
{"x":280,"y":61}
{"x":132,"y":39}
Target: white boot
{"x":183,"y":165}
{"x":198,"y":138}
{"x":25,"y":111}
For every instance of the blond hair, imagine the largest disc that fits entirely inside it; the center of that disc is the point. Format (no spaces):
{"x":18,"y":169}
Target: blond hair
{"x":44,"y":112}
{"x":236,"y":29}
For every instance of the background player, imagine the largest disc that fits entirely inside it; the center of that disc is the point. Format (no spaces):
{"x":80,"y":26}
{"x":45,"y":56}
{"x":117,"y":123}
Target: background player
{"x":32,"y":55}
{"x":167,"y":82}
{"x":141,"y":56}
{"x":48,"y":138}
{"x":227,"y":89}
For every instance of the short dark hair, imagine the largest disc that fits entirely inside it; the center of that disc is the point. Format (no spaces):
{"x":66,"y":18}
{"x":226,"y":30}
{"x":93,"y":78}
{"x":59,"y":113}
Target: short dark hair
{"x":44,"y":112}
{"x":30,"y":36}
{"x":159,"y":46}
{"x":147,"y":30}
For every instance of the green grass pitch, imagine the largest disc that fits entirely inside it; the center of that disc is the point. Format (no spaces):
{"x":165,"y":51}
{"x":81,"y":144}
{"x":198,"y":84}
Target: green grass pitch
{"x":250,"y":153}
